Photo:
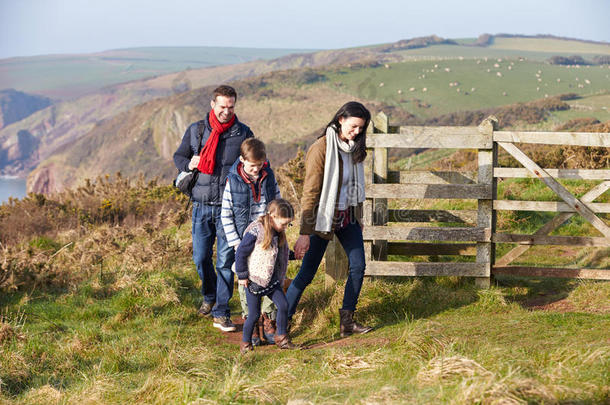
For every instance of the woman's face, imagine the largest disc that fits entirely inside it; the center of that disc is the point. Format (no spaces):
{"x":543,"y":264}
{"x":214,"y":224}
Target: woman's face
{"x":350,"y":128}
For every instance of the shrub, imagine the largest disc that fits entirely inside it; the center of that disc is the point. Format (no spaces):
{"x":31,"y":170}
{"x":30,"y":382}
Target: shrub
{"x":568,"y":60}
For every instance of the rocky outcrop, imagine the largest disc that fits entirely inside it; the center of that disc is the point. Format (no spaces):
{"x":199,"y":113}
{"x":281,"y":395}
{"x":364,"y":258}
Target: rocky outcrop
{"x":20,"y":153}
{"x":16,"y":105}
{"x":44,"y":181}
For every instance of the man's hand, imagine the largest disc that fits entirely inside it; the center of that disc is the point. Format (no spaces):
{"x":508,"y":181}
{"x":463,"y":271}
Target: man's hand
{"x":243,"y":282}
{"x":194,"y":162}
{"x":301,"y":246}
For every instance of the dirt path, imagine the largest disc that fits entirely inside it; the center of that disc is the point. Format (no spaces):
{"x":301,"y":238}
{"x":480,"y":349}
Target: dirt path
{"x":370,"y":340}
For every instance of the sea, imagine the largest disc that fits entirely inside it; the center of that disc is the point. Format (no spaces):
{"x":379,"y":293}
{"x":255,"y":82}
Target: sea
{"x":11,"y":187}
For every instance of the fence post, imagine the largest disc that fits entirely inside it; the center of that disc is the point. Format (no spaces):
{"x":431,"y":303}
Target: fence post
{"x":380,"y":175}
{"x":486,"y":216}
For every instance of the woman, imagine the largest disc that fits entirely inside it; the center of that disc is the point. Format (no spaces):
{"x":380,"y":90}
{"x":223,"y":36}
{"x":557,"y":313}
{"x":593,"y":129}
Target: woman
{"x":332,"y":204}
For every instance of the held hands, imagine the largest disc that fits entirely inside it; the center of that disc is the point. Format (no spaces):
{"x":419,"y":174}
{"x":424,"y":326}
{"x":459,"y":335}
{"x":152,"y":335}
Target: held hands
{"x":194,"y":162}
{"x":243,"y":282}
{"x":301,"y":246}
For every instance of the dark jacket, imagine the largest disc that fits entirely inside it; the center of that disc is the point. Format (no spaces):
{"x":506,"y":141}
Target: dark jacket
{"x":209,"y":187}
{"x":242,"y":194}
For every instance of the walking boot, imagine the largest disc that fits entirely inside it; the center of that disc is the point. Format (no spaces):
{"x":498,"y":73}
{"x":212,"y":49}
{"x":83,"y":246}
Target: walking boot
{"x":348,"y":326}
{"x":268,"y":328}
{"x":284,"y":342}
{"x":245,"y":347}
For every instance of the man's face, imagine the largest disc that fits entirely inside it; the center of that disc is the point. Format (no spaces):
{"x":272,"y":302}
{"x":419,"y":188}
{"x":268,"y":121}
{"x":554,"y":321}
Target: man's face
{"x":224,"y":108}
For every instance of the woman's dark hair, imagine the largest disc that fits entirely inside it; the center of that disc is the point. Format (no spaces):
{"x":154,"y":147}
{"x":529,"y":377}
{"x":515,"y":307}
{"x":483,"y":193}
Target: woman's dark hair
{"x":353,"y":109}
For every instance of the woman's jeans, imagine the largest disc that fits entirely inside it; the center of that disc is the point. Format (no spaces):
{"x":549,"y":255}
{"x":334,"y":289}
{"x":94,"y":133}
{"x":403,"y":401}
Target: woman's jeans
{"x":254,"y":309}
{"x":206,"y":228}
{"x":351,"y":240}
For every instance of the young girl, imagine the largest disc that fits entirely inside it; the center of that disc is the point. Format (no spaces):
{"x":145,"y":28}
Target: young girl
{"x":261,"y":260}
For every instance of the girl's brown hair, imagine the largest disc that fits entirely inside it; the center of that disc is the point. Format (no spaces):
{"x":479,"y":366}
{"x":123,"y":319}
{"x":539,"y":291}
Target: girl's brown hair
{"x":282,"y":209}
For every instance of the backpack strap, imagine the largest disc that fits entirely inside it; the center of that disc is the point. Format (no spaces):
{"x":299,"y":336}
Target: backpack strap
{"x":200,"y":131}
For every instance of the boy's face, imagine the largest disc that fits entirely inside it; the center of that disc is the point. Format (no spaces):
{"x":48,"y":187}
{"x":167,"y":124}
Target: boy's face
{"x":252,"y":168}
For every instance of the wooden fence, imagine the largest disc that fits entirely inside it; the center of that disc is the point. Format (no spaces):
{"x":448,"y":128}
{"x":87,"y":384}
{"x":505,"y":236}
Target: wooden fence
{"x":468,"y":232}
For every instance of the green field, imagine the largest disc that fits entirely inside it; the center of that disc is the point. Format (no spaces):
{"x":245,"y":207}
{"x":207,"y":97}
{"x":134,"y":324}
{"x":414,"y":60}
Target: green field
{"x":520,"y":83}
{"x":72,"y":75}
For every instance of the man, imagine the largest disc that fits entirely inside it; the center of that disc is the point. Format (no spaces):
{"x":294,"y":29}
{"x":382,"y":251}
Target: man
{"x":222,"y":135}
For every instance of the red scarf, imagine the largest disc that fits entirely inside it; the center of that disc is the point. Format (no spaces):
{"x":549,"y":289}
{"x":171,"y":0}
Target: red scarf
{"x":207,"y":159}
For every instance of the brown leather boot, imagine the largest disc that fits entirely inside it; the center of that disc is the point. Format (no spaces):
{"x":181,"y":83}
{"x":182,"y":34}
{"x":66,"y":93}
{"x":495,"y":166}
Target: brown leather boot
{"x":284,"y":342}
{"x":268,"y":328}
{"x":348,"y":326}
{"x":245,"y":347}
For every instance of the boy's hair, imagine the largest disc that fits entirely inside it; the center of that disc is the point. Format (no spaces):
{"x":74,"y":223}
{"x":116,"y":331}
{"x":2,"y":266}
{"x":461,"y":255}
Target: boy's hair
{"x":225,"y":91}
{"x":253,"y":149}
{"x":282,"y":209}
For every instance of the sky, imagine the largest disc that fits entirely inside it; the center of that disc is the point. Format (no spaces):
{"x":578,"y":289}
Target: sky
{"x":39,"y":27}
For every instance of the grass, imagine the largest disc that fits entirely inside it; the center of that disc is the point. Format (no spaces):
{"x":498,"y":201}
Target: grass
{"x":130,"y":333}
{"x":517,"y":84}
{"x":66,"y":76}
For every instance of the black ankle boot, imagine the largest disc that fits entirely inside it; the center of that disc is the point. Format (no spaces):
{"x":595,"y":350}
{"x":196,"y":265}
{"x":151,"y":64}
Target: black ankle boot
{"x":348,"y":326}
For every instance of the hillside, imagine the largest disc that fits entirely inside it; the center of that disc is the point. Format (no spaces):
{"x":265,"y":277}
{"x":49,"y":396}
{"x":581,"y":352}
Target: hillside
{"x":99,"y":303}
{"x":385,"y":77}
{"x":16,"y":105}
{"x":70,"y":76}
{"x":143,"y":139}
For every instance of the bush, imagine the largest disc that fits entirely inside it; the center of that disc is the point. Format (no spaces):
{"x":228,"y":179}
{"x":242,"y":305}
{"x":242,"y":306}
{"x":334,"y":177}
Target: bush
{"x":602,"y":59}
{"x":568,"y":60}
{"x":105,"y":201}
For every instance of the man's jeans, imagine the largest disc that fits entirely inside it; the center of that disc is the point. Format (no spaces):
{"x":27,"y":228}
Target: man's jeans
{"x":351,"y":240}
{"x":206,"y":228}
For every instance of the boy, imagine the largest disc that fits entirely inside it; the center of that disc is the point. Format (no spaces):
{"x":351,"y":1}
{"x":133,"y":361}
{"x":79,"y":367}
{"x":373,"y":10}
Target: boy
{"x":250,"y":186}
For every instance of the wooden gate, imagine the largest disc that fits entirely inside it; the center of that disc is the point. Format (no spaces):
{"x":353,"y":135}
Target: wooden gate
{"x":467,"y":232}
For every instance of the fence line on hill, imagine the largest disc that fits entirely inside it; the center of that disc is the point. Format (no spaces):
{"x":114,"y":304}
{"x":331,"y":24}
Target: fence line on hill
{"x":475,"y":233}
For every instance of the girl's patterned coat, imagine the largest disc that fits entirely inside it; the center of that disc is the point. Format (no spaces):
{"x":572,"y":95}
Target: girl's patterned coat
{"x":257,"y":264}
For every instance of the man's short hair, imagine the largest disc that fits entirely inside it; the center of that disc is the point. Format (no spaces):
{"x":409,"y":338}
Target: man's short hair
{"x":253,"y":150}
{"x":225,"y":91}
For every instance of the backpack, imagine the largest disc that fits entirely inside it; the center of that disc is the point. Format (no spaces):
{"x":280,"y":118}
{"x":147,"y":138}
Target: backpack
{"x":185,"y":181}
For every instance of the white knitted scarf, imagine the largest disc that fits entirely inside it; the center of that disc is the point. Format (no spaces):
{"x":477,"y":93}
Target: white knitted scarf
{"x":330,"y":185}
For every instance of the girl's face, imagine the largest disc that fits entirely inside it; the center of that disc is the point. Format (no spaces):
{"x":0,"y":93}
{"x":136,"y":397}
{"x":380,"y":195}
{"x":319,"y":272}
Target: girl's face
{"x":280,"y":224}
{"x":350,"y":128}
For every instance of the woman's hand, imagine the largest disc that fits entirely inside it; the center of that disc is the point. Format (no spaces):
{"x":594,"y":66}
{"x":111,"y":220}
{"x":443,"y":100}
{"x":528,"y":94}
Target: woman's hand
{"x":301,"y":246}
{"x":243,"y":282}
